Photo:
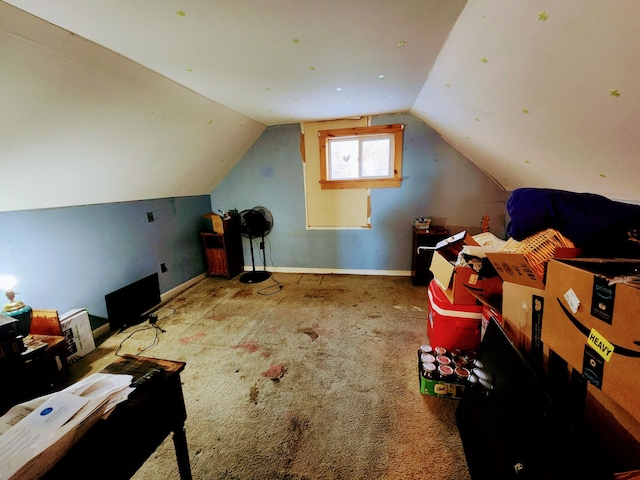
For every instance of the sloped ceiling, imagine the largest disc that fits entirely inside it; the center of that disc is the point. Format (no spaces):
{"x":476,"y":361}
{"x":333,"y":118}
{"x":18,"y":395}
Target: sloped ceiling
{"x":543,"y":94}
{"x":155,"y":98}
{"x":275,"y":61}
{"x":121,"y":100}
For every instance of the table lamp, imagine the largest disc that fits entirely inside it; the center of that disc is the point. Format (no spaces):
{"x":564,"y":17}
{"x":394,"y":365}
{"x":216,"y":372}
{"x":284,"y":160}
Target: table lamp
{"x":15,"y":308}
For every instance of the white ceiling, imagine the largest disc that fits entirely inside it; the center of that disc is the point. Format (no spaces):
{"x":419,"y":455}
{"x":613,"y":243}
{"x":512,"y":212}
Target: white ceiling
{"x":275,"y":61}
{"x":543,"y":94}
{"x":535,"y":93}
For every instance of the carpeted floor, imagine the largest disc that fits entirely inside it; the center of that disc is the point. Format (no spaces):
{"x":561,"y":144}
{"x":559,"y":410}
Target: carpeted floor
{"x":316,"y":380}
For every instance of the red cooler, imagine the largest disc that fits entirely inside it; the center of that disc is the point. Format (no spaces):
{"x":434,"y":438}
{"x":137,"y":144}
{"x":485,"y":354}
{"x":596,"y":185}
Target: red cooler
{"x":452,"y":326}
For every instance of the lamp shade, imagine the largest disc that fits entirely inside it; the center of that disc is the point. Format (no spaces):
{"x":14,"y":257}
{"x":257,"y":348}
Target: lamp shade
{"x":7,"y":282}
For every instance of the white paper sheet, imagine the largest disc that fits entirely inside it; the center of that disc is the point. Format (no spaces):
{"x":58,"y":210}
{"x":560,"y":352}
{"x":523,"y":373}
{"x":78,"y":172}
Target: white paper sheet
{"x":30,"y":428}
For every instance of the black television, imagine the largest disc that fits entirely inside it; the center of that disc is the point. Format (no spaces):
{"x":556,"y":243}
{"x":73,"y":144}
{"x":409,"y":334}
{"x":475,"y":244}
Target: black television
{"x":133,"y":303}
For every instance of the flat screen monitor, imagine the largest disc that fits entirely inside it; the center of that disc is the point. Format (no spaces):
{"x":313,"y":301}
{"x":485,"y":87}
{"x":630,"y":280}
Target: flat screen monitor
{"x":133,"y":303}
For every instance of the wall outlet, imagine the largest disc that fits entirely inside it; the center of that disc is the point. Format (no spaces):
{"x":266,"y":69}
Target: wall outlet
{"x":163,"y":267}
{"x":150,"y":217}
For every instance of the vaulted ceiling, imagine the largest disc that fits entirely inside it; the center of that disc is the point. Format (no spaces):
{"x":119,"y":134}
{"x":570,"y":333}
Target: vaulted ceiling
{"x":123,"y":100}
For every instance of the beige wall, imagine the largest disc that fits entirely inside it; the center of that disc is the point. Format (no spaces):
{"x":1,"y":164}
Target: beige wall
{"x":326,"y":209}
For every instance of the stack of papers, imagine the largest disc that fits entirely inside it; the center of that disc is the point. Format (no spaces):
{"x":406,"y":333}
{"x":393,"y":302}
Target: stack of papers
{"x":34,"y":435}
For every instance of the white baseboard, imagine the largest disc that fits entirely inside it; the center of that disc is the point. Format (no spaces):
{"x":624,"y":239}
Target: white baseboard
{"x":174,"y":292}
{"x":164,"y":298}
{"x":334,"y":271}
{"x":101,"y":330}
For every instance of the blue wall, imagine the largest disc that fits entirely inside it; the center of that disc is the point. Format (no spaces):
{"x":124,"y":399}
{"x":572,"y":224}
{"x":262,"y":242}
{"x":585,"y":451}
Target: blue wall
{"x":71,"y":257}
{"x":67,"y":258}
{"x":439,"y":182}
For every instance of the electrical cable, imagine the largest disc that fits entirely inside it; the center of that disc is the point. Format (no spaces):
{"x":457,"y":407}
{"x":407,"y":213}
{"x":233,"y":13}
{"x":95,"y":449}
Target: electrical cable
{"x":156,"y":339}
{"x":173,"y":311}
{"x":153,"y":319}
{"x":277,"y":285}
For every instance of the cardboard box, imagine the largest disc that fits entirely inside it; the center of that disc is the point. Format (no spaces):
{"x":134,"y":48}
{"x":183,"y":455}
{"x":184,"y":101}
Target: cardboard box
{"x":461,"y":284}
{"x":77,"y":329}
{"x":594,"y":326}
{"x":611,"y":430}
{"x":452,"y":279}
{"x":515,"y":268}
{"x":216,"y":222}
{"x":422,"y":223}
{"x":618,"y":432}
{"x":523,"y":313}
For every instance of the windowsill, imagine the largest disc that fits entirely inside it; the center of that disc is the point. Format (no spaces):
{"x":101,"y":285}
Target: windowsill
{"x":368,"y":183}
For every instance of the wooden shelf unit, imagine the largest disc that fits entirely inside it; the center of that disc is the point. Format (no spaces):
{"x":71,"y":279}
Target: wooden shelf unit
{"x":224,"y":251}
{"x":420,"y":263}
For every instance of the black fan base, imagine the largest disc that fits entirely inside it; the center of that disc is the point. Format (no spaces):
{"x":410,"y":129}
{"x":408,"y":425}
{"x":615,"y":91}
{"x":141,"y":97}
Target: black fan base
{"x":254,"y":277}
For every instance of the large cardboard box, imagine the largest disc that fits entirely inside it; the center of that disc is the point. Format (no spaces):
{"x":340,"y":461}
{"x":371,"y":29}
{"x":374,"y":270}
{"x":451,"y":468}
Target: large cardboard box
{"x":617,"y":432}
{"x":611,"y":430}
{"x":456,"y":282}
{"x":516,"y":268}
{"x":77,"y":330}
{"x":595,"y":325}
{"x":523,"y":313}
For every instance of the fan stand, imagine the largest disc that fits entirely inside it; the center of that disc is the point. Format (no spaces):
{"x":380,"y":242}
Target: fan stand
{"x":254,"y":276}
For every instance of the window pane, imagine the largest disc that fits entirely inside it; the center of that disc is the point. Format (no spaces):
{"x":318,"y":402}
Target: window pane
{"x":376,"y":158}
{"x":343,"y":159}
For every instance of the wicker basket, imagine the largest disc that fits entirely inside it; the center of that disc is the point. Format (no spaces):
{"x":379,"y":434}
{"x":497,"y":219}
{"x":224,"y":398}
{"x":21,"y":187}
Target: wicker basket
{"x":538,"y":249}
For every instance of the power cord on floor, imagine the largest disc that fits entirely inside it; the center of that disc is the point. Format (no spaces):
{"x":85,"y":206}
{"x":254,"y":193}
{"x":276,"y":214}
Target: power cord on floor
{"x":267,"y":290}
{"x":156,"y":339}
{"x":277,"y":286}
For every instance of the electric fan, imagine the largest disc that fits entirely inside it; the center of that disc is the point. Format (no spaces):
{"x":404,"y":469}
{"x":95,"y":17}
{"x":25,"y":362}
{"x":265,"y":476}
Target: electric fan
{"x":255,"y":222}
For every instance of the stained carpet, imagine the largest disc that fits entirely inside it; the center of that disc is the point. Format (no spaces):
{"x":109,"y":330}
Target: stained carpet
{"x":313,"y":377}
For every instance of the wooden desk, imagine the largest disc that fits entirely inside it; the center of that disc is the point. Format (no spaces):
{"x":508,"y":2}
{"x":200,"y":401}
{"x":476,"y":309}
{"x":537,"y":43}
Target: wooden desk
{"x":116,"y":447}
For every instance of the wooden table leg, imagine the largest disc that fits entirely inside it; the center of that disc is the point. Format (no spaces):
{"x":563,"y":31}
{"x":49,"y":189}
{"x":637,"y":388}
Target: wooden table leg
{"x":182,"y":452}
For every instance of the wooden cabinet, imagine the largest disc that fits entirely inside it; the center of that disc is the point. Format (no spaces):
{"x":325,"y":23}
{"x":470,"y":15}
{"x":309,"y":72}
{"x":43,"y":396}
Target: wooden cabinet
{"x":420,"y":262}
{"x":224,"y":251}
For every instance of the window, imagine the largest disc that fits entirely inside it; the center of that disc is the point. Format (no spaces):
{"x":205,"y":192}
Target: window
{"x":361,"y":157}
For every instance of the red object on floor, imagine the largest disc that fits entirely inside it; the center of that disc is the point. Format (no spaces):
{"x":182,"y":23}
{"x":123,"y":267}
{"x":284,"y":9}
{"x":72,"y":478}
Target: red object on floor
{"x":452,"y":326}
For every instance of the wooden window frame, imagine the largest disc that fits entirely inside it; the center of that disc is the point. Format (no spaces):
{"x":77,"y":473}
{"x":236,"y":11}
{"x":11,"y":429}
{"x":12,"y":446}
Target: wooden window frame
{"x":395,"y":181}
